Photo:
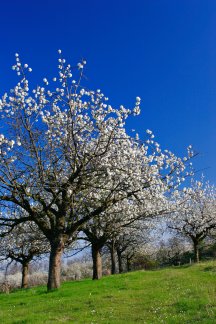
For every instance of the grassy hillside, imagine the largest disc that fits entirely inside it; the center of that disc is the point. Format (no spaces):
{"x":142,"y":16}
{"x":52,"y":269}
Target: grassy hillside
{"x":172,"y":295}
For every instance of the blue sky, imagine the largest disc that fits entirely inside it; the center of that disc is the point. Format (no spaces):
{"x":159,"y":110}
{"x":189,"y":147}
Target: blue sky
{"x":161,"y":50}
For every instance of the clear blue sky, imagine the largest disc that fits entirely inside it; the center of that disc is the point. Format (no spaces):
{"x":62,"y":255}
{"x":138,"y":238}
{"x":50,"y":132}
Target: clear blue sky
{"x":161,"y":50}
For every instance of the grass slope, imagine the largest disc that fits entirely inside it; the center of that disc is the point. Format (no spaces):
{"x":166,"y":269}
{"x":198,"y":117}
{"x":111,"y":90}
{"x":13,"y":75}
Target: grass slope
{"x":172,"y":295}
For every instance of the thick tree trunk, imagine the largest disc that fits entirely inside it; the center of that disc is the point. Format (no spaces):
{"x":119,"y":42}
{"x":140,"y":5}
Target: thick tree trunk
{"x":97,"y":262}
{"x":113,"y":259}
{"x":25,"y":270}
{"x":120,"y":265}
{"x":54,"y":277}
{"x":196,"y":252}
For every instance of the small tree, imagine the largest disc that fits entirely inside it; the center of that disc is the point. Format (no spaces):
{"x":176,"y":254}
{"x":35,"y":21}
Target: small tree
{"x":23,"y":244}
{"x":172,"y":251}
{"x":195,"y":216}
{"x":128,"y":241}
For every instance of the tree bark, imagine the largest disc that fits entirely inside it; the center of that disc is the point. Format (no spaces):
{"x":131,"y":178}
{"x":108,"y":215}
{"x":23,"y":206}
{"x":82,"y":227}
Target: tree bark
{"x":97,"y":262}
{"x":25,"y":270}
{"x":128,"y":264}
{"x":113,"y":259}
{"x":196,"y":252}
{"x":120,"y":265}
{"x":54,"y":276}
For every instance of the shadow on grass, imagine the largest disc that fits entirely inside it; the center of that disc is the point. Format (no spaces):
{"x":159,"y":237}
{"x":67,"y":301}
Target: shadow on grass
{"x":177,"y":267}
{"x":210,"y":268}
{"x":181,"y":306}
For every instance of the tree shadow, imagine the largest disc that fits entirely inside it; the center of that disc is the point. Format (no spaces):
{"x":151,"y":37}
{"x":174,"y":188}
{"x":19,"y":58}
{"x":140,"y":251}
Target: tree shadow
{"x":210,"y":268}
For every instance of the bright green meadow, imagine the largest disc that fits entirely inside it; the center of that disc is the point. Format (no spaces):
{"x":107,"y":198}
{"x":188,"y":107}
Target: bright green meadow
{"x":184,"y":294}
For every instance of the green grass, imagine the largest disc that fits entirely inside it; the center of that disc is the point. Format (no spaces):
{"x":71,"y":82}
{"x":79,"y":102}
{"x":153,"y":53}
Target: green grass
{"x":172,"y":295}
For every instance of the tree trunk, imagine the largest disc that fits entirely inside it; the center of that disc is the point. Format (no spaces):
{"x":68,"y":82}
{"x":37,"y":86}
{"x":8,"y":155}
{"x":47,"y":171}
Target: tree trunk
{"x":113,"y":259}
{"x":97,"y":262}
{"x":120,"y":261}
{"x":128,"y":264}
{"x":25,"y":269}
{"x":196,"y":252}
{"x":54,"y":277}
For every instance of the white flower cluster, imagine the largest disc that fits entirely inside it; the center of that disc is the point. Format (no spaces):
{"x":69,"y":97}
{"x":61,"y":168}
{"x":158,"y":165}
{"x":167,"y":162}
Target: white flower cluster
{"x":136,"y":109}
{"x":19,"y":68}
{"x":5,"y":145}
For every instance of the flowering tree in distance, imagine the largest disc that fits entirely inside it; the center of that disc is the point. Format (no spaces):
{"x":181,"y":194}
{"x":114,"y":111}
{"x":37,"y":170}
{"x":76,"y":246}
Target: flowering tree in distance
{"x":66,"y":157}
{"x":195,"y":216}
{"x":24,"y":243}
